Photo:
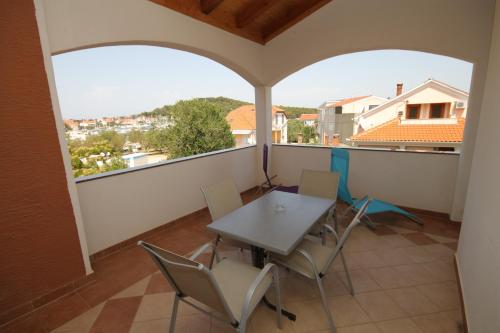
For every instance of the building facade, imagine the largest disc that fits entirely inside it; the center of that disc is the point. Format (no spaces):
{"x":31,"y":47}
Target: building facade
{"x":336,"y":119}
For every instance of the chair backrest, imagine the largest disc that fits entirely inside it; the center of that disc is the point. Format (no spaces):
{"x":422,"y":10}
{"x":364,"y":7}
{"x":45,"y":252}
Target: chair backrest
{"x":265,"y":156}
{"x":340,"y":163}
{"x":189,"y":278}
{"x":340,"y":244}
{"x":323,"y":184}
{"x":222,"y":198}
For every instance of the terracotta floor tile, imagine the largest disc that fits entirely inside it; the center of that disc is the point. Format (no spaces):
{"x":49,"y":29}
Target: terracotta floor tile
{"x":395,"y":241}
{"x":412,"y":301}
{"x":159,"y":306}
{"x":81,"y":324}
{"x":367,"y":259}
{"x":152,"y":326}
{"x":347,"y":311}
{"x":137,"y":289}
{"x":381,"y":230}
{"x":100,"y":291}
{"x":361,"y":281}
{"x":30,"y":323}
{"x":440,"y":251}
{"x":263,"y":319}
{"x":414,"y":274}
{"x":388,"y":277}
{"x":196,"y":323}
{"x":62,"y":310}
{"x":310,"y":316}
{"x":404,"y":325}
{"x":452,"y":245}
{"x":158,"y":284}
{"x":379,"y":306}
{"x":440,"y":270}
{"x":417,"y":254}
{"x":334,"y":286}
{"x":117,"y":315}
{"x":437,"y":323}
{"x":444,"y":295}
{"x":365,"y":328}
{"x":419,"y":238}
{"x":391,"y":256}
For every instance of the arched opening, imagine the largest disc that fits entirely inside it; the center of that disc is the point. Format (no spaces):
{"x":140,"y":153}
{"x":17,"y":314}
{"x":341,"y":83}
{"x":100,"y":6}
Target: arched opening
{"x":130,"y":106}
{"x":390,"y":99}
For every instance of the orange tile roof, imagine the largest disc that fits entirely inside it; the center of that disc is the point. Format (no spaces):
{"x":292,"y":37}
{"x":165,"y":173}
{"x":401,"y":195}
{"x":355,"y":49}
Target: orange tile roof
{"x":345,"y":101}
{"x":243,"y":118}
{"x":308,"y":116}
{"x":394,"y":131}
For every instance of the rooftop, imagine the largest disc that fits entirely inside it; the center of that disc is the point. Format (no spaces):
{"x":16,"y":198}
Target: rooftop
{"x":243,"y":117}
{"x":396,"y":131}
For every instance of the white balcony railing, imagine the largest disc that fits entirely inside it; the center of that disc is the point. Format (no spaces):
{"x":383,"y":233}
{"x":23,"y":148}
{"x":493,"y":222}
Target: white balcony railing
{"x":120,"y":205}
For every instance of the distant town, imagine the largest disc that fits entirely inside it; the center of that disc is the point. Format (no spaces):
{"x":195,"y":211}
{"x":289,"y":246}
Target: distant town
{"x":429,"y":117}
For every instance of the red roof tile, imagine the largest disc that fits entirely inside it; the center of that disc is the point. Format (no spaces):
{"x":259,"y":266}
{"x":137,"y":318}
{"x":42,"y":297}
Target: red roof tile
{"x":243,"y":118}
{"x":308,"y":116}
{"x":394,"y":131}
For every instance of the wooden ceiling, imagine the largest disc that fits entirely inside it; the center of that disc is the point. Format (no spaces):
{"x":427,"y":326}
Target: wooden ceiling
{"x":256,"y":20}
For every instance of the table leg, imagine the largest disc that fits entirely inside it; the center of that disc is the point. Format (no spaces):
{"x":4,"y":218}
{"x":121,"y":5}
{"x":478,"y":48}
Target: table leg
{"x":258,"y":257}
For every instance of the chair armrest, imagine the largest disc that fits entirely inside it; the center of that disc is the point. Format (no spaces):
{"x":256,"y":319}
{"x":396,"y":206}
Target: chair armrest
{"x":249,"y":298}
{"x":332,"y":230}
{"x":202,"y":249}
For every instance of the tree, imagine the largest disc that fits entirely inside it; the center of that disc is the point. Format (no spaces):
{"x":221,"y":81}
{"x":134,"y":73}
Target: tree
{"x":296,"y":127}
{"x":96,"y":158}
{"x":198,"y":127}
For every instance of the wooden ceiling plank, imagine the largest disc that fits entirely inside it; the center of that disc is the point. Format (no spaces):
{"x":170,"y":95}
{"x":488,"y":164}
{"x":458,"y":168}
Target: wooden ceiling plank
{"x":294,"y":15}
{"x":207,"y":6}
{"x":253,"y":10}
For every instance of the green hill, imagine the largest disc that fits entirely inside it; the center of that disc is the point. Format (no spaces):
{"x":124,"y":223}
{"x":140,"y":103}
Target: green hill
{"x":227,"y":104}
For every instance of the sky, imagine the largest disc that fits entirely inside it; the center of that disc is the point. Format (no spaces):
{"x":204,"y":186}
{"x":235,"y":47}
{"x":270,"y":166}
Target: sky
{"x":124,"y":80}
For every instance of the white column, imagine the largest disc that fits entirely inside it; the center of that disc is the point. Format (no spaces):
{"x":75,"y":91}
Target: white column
{"x":470,"y":132}
{"x":479,"y":245}
{"x":263,"y":114}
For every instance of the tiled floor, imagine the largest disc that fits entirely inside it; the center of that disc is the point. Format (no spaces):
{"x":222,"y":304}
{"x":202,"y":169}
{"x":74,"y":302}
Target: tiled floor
{"x":403,"y":275}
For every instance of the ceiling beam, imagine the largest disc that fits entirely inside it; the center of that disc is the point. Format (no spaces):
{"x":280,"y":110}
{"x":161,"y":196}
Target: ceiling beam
{"x":292,"y":17}
{"x":252,"y":11}
{"x":207,"y":6}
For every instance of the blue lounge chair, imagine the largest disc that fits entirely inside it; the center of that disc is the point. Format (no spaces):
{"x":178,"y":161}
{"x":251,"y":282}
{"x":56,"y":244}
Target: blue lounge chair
{"x":340,"y":163}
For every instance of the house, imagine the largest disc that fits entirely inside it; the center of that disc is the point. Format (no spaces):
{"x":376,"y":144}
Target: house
{"x":309,"y":119}
{"x":336,"y":118}
{"x":428,"y":117}
{"x":242,"y":121}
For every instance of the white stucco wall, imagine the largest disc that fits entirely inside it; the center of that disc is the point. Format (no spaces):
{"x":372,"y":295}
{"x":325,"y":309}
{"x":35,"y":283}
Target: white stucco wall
{"x":122,"y":206}
{"x":418,"y":180}
{"x":479,"y":245}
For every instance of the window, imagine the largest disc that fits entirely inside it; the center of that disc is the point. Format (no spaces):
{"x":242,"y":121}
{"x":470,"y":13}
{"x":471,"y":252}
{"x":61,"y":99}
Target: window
{"x":372,"y":107}
{"x":444,"y":149}
{"x":437,"y":111}
{"x":413,"y":111}
{"x":338,"y":110}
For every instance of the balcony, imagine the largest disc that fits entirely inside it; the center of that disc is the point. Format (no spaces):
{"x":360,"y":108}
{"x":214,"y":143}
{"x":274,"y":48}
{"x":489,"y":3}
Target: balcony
{"x":404,"y":269}
{"x":69,"y":261}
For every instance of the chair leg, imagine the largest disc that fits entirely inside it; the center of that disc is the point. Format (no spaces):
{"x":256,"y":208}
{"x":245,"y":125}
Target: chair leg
{"x":174,"y":314}
{"x":278,"y":300}
{"x":325,"y":305}
{"x":348,"y":275}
